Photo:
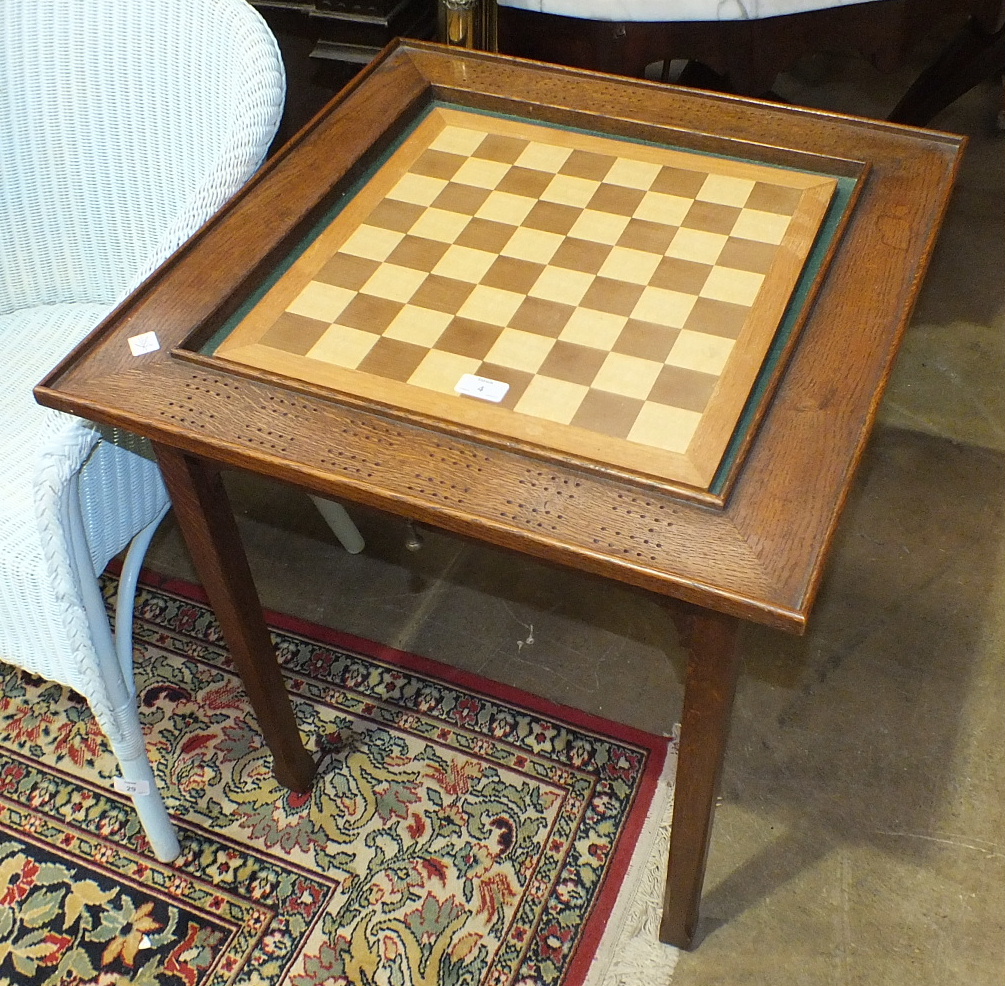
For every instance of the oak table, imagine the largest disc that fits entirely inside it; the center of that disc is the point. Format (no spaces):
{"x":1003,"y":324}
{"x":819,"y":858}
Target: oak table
{"x":749,"y":544}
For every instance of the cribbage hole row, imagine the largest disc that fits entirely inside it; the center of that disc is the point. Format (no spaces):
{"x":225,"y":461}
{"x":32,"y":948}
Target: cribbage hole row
{"x":542,"y":500}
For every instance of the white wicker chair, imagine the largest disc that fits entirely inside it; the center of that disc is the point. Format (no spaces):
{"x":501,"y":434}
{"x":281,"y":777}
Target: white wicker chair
{"x":123,"y":127}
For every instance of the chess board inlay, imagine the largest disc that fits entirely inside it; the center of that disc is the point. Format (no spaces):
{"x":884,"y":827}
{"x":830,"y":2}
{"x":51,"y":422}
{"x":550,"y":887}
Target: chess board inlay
{"x":617,"y":299}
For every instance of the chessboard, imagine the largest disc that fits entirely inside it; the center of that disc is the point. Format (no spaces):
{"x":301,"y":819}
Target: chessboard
{"x":593,"y":297}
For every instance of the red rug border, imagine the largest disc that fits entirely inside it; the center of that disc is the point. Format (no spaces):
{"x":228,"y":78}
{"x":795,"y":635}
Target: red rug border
{"x":645,"y":795}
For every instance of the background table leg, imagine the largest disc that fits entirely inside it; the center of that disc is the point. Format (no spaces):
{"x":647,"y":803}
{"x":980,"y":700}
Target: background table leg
{"x":207,"y":523}
{"x":712,"y":670}
{"x":975,"y":54}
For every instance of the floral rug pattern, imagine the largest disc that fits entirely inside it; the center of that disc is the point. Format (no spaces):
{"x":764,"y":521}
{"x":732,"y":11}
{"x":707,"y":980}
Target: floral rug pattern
{"x":459,"y":833}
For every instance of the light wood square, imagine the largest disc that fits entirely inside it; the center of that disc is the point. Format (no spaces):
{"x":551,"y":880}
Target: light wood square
{"x":599,"y":227}
{"x":520,"y":350}
{"x":564,"y":286}
{"x":372,"y":242}
{"x":697,"y":245}
{"x":492,"y":305}
{"x":765,"y":227}
{"x":394,"y":282}
{"x":661,"y":426}
{"x":599,"y":330}
{"x":570,"y":190}
{"x":505,"y":207}
{"x":464,"y":264}
{"x":417,"y":189}
{"x":440,"y":225}
{"x":543,"y":157}
{"x":700,"y":351}
{"x":738,"y":287}
{"x":441,"y":371}
{"x":458,"y":140}
{"x":420,"y":326}
{"x":633,"y":266}
{"x":480,"y":172}
{"x":321,"y":301}
{"x":664,"y":307}
{"x":551,"y":399}
{"x":632,"y":174}
{"x":536,"y":245}
{"x":629,"y":376}
{"x":658,"y":207}
{"x":726,"y":190}
{"x":343,"y":346}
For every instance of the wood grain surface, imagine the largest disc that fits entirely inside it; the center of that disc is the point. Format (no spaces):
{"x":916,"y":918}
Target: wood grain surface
{"x":760,"y":556}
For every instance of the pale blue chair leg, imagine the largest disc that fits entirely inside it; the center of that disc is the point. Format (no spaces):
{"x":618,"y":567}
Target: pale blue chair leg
{"x":125,"y":599}
{"x":139,"y":783}
{"x":341,"y":524}
{"x":128,"y":744}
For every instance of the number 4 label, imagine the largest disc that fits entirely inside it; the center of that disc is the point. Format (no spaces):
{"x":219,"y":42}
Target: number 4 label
{"x":482,"y":387}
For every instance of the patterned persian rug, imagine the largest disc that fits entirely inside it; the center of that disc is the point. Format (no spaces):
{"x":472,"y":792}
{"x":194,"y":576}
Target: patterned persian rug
{"x":460,"y":833}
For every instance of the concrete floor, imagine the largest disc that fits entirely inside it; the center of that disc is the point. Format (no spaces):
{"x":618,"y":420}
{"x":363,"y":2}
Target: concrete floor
{"x":860,"y":839}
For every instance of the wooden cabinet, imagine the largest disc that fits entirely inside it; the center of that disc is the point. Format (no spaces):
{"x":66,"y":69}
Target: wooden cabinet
{"x":352,"y":30}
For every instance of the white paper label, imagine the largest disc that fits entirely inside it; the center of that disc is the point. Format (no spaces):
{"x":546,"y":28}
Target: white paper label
{"x":487,"y":390}
{"x":145,"y":343}
{"x":133,"y":788}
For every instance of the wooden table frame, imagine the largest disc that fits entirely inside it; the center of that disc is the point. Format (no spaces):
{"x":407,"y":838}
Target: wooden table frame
{"x":759,"y":557}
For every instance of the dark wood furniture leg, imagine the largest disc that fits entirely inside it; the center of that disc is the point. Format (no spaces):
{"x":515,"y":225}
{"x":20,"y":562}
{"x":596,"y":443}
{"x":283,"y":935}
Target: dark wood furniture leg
{"x":207,"y":523}
{"x":743,"y":56}
{"x":712,"y":669}
{"x":974,"y":55}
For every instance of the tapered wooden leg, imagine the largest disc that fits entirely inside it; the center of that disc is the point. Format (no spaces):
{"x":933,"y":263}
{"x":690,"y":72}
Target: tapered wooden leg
{"x":712,"y":669}
{"x":207,"y":523}
{"x":973,"y":56}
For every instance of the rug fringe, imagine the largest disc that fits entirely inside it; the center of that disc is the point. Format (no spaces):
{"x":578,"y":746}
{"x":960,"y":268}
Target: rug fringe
{"x":630,"y":952}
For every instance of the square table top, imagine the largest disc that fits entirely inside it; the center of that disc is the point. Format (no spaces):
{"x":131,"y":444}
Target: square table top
{"x":308,"y":332}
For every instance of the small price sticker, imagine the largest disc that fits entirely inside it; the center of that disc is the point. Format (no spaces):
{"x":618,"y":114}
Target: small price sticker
{"x":146,"y":342}
{"x":132,"y":788}
{"x":482,"y":387}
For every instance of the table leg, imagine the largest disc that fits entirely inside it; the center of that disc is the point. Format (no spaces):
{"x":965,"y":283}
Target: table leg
{"x":207,"y":523}
{"x":712,"y":670}
{"x":976,"y":54}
